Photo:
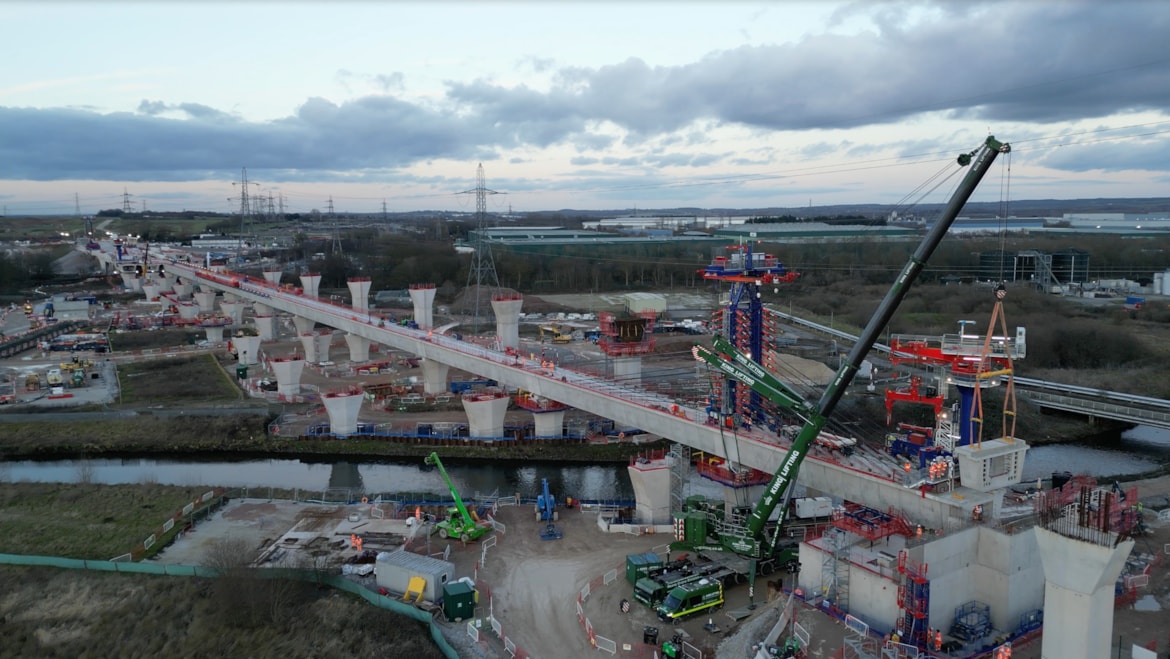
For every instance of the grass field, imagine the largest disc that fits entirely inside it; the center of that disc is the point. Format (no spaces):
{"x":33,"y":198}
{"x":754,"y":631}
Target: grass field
{"x":167,"y":381}
{"x":82,"y":520}
{"x":143,"y":434}
{"x":73,"y":614}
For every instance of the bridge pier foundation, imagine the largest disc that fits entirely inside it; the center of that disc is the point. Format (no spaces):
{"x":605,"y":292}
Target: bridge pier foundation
{"x":233,"y":310}
{"x":303,"y":325}
{"x":216,"y":334}
{"x":324,"y":339}
{"x":309,"y":343}
{"x":183,"y":291}
{"x":206,"y":301}
{"x":1080,"y":578}
{"x":342,"y":408}
{"x":485,"y":414}
{"x":650,"y":479}
{"x":741,"y":496}
{"x":548,"y":424}
{"x":247,"y":349}
{"x":359,"y":348}
{"x":434,"y":377}
{"x":288,"y":374}
{"x":266,"y":326}
{"x":188,"y":311}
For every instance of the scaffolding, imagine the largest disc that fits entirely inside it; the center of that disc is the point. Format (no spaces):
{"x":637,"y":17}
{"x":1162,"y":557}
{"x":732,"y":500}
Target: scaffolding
{"x":972,"y":621}
{"x":679,"y":464}
{"x":835,"y":569}
{"x":869,"y":523}
{"x":913,"y":601}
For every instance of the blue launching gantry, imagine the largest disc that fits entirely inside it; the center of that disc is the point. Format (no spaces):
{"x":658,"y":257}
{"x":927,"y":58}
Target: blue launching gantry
{"x":742,"y":321}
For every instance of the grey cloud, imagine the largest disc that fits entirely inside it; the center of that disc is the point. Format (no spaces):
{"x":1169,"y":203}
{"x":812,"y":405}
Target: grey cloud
{"x":984,"y":62}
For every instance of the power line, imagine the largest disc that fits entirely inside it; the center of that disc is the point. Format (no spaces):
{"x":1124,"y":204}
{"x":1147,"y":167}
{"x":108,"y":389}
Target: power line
{"x":245,"y":211}
{"x":483,"y":268}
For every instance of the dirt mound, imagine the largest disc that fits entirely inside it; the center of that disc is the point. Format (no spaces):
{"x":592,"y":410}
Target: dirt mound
{"x":532,"y":304}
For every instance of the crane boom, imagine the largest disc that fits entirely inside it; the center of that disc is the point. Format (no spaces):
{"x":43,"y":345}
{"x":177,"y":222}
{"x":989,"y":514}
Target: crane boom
{"x":433,"y":459}
{"x":743,"y":368}
{"x":817,"y":416}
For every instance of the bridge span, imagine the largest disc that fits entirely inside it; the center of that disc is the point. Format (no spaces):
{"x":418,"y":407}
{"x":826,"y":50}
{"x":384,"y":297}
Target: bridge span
{"x":866,"y":476}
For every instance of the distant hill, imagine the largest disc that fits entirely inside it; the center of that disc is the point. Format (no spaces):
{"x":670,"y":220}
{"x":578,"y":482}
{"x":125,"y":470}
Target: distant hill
{"x":1018,"y":208}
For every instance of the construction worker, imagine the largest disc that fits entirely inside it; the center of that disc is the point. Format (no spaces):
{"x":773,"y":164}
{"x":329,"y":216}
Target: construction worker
{"x":938,"y":640}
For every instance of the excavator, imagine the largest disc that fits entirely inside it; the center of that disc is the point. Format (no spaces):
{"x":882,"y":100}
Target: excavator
{"x":555,"y":333}
{"x":747,"y":536}
{"x":459,"y":523}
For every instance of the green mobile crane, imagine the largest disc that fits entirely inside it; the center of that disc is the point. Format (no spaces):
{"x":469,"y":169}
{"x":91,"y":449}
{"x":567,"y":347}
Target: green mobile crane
{"x":459,"y":522}
{"x":747,"y":537}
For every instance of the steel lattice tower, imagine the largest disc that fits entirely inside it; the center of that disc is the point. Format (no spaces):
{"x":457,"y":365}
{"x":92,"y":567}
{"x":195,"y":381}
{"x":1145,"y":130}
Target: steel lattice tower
{"x":483,"y":267}
{"x":245,"y":212}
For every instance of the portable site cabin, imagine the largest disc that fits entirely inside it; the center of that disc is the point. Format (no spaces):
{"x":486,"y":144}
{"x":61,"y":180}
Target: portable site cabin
{"x":394,"y":569}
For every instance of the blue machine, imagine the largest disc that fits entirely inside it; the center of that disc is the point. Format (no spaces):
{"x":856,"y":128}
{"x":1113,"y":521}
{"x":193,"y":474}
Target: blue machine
{"x":546,"y":511}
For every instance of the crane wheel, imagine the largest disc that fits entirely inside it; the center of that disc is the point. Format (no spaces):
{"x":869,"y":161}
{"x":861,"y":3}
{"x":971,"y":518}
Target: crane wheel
{"x":464,"y":537}
{"x":443,"y":534}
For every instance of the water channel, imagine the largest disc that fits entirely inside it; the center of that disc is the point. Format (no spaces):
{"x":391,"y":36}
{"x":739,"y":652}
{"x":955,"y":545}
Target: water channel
{"x":1136,"y":451}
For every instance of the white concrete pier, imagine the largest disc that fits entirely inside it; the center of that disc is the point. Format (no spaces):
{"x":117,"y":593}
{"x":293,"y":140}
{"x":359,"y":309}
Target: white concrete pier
{"x":188,"y":311}
{"x":359,"y":293}
{"x":266,"y":326}
{"x":310,"y":283}
{"x":233,"y":310}
{"x":423,"y":297}
{"x":206,"y":301}
{"x":183,"y":291}
{"x":342,"y":408}
{"x":650,"y":478}
{"x":359,"y":348}
{"x":434,"y":377}
{"x":506,"y":307}
{"x":1080,"y":576}
{"x":247,"y":349}
{"x":303,"y":325}
{"x":485,"y":414}
{"x":309,"y":343}
{"x":627,"y":370}
{"x":288,"y":374}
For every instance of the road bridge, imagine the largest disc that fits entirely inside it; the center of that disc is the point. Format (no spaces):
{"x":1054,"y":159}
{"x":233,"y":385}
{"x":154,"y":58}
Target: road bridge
{"x":866,"y":477}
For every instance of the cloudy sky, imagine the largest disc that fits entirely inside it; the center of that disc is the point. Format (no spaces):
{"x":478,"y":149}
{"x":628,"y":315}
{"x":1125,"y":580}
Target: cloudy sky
{"x":589,"y":105}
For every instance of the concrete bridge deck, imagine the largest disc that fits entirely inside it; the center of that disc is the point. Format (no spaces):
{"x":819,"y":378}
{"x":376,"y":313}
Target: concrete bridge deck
{"x":870,"y":479}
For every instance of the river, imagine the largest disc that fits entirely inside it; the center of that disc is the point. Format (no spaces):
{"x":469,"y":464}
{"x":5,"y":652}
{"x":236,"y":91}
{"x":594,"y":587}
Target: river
{"x":1137,"y":451}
